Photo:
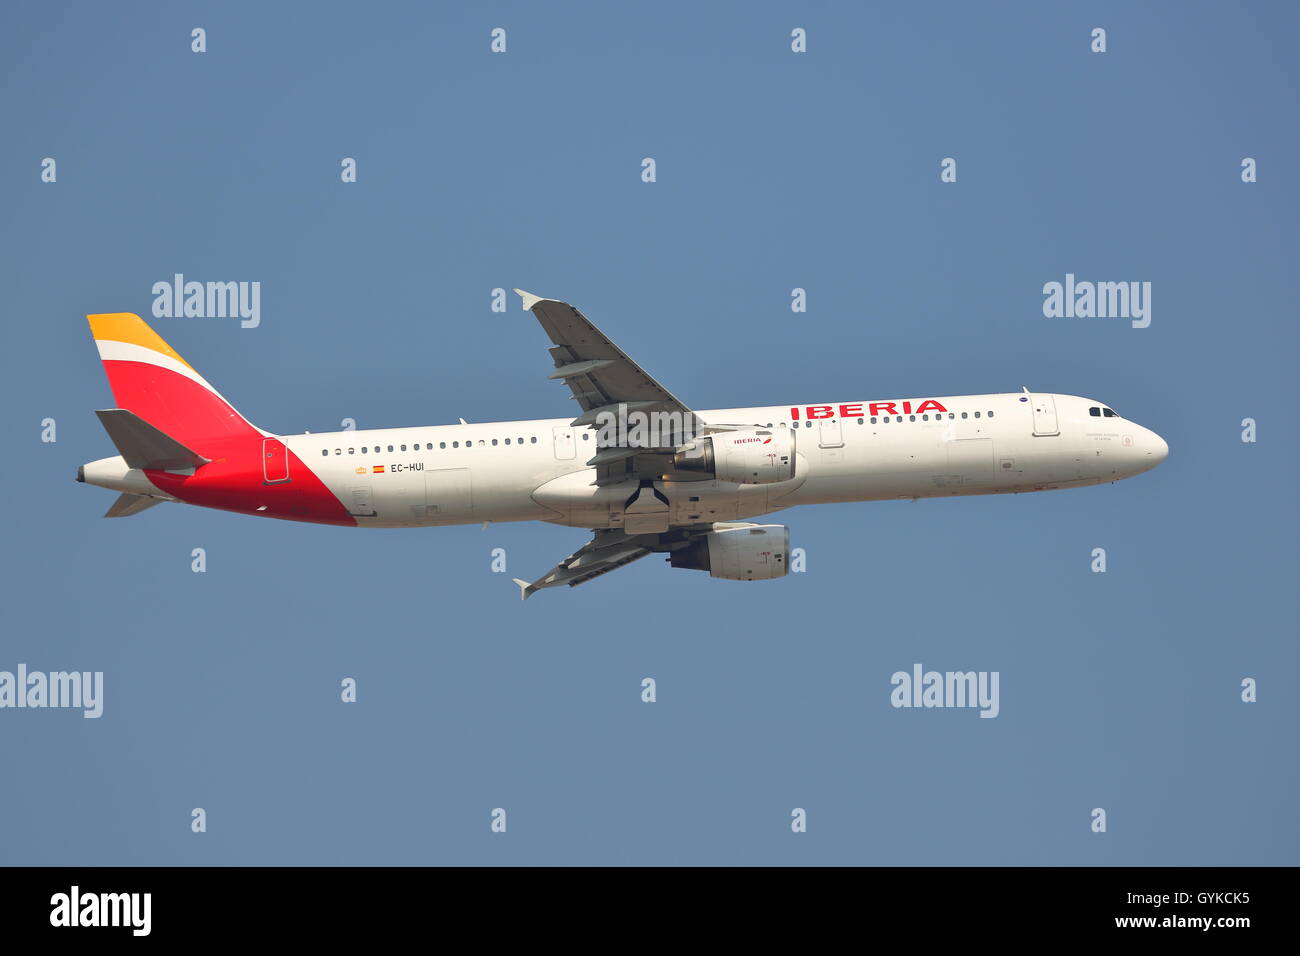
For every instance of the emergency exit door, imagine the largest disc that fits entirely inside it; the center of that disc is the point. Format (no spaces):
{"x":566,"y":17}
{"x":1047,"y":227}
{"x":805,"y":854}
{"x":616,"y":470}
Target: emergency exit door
{"x":562,"y":436}
{"x":830,"y":436}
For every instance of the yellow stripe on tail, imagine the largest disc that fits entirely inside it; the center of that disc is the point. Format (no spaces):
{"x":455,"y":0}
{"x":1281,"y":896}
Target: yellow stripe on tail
{"x":130,"y":328}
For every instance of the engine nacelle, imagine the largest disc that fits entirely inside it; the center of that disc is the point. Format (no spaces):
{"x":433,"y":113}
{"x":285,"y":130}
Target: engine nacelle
{"x":760,"y":456}
{"x":738,"y":552}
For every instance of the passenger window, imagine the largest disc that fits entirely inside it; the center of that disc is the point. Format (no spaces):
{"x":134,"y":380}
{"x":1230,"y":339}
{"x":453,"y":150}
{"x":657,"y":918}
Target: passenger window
{"x":455,"y":444}
{"x":390,"y":447}
{"x":990,"y":414}
{"x":925,"y":418}
{"x":534,"y":439}
{"x":494,"y":441}
{"x":963,"y":414}
{"x":324,"y":451}
{"x":911,"y":418}
{"x":442,"y":444}
{"x":352,"y":451}
{"x":507,"y":441}
{"x":586,"y":436}
{"x":977,"y":414}
{"x":860,"y":421}
{"x":338,"y":451}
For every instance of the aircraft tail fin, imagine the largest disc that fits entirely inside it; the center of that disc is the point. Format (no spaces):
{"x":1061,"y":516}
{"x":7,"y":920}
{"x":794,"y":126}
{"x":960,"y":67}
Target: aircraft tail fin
{"x":150,"y":380}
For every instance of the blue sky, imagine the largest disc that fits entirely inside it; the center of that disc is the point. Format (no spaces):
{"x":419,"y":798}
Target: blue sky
{"x":775,"y":170}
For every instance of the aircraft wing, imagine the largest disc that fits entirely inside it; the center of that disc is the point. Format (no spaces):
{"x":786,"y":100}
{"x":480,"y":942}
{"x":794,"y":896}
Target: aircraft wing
{"x":608,"y":550}
{"x":603,"y":379}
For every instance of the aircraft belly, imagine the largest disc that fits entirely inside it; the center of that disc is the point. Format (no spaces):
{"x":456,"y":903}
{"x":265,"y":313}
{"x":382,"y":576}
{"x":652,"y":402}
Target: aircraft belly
{"x":573,"y":499}
{"x":576,"y":502}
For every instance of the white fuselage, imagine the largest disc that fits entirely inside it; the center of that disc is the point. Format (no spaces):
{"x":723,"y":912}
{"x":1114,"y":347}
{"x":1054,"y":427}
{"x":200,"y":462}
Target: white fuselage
{"x":535,"y":470}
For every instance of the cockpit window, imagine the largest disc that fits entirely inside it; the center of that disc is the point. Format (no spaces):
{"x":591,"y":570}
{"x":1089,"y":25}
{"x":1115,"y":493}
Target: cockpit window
{"x":1109,"y":414}
{"x":1094,"y":411}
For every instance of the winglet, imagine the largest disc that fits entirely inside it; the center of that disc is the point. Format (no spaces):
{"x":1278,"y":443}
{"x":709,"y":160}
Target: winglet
{"x":530,"y":300}
{"x":523,"y":588}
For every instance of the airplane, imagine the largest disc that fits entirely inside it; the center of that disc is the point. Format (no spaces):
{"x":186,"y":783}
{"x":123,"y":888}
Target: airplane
{"x":637,"y":467}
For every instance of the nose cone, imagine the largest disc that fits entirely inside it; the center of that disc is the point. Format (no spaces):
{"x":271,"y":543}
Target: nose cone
{"x":1154,"y":450}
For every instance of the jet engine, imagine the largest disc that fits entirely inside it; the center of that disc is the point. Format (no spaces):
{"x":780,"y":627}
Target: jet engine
{"x":755,"y":457}
{"x":738,"y":552}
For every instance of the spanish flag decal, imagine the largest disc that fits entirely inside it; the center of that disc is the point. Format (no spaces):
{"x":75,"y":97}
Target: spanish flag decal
{"x":379,"y":469}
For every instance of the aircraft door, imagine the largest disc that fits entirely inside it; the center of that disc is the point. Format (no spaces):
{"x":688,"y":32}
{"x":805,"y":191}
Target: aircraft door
{"x":275,"y":461}
{"x":1045,"y":422}
{"x":830,"y":438}
{"x":563,"y":439}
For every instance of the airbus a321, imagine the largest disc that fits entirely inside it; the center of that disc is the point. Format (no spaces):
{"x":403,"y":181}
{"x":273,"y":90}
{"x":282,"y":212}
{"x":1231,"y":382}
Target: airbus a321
{"x":641,"y":470}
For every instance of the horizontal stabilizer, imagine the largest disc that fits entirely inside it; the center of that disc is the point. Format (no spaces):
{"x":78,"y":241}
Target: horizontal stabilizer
{"x":144,"y":446}
{"x":129,"y":504}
